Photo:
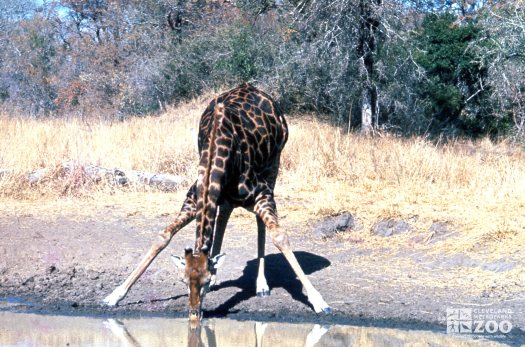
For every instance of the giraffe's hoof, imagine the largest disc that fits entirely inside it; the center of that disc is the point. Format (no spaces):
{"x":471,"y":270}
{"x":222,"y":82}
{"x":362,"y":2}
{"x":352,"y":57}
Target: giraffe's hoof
{"x":263,"y":293}
{"x":113,"y":299}
{"x":213,"y":281}
{"x":327,"y":310}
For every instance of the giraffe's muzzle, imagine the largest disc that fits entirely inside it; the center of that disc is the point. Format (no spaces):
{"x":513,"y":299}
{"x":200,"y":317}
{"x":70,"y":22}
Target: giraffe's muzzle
{"x":195,"y":315}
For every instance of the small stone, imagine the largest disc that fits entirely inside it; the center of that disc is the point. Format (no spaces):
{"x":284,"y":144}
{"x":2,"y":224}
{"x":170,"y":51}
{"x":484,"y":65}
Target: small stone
{"x":330,"y":226}
{"x":51,"y":269}
{"x":28,"y":281}
{"x":499,"y":266}
{"x":390,"y":227}
{"x":93,"y":275}
{"x":440,"y":231}
{"x":440,"y":228}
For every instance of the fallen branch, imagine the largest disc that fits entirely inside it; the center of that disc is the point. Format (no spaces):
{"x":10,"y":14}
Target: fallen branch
{"x":115,"y":176}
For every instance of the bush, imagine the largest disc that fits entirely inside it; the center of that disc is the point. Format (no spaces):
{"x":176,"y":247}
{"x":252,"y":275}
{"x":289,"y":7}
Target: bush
{"x":456,"y":86}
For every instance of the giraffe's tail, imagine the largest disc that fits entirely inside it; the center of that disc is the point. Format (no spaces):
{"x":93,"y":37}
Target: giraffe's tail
{"x":211,"y":171}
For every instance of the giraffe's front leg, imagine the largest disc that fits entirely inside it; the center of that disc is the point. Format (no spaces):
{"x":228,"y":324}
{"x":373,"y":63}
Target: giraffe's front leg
{"x":119,"y":330}
{"x":223,"y":215}
{"x":265,"y":209}
{"x":186,"y":215}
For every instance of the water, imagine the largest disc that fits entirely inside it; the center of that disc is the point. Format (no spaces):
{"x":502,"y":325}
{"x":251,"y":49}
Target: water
{"x":25,"y":329}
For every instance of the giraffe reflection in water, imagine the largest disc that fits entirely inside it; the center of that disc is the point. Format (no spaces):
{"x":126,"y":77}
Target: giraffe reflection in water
{"x":204,"y":334}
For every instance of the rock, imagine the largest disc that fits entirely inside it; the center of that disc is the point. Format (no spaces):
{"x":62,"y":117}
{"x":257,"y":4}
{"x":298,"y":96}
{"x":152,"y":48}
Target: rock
{"x":4,"y":173}
{"x":93,"y":275}
{"x":456,"y":260}
{"x":29,"y":281}
{"x":499,"y":266}
{"x":439,"y":228}
{"x":37,"y":175}
{"x":389,"y":227}
{"x":440,"y":231}
{"x":330,"y":226}
{"x":72,"y":273}
{"x":51,"y":269}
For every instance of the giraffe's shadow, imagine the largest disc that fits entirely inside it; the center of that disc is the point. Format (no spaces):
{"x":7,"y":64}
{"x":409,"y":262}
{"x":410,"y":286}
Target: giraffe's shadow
{"x":279,"y":274}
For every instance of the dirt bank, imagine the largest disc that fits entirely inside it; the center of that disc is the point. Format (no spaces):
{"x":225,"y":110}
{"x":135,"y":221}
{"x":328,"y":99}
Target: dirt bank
{"x":70,"y":261}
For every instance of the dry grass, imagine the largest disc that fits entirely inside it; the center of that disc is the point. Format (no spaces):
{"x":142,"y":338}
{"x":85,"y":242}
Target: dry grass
{"x":477,"y":187}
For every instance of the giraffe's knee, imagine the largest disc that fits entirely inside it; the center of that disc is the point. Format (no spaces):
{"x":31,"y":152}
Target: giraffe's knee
{"x":280,"y":239}
{"x":163,"y":239}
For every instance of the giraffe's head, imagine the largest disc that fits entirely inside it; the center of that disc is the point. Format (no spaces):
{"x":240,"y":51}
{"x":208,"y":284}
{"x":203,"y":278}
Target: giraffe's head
{"x":196,"y":274}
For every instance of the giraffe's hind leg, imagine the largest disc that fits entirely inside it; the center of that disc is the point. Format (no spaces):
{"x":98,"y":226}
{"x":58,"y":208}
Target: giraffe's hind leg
{"x":186,"y":215}
{"x":265,"y":209}
{"x":262,"y":288}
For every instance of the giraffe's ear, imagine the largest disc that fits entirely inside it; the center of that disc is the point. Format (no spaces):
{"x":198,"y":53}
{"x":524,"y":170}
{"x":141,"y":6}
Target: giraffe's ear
{"x":179,"y":262}
{"x":216,"y":262}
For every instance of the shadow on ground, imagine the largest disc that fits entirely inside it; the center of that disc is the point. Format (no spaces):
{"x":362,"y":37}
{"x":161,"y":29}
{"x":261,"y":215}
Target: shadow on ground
{"x":278,"y":273}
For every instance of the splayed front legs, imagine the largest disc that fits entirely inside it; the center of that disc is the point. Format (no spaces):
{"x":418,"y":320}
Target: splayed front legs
{"x":186,"y":215}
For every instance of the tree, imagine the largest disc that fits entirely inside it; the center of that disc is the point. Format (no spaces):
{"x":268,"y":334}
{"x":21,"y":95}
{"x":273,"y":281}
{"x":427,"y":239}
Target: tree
{"x":455,"y":78}
{"x":504,"y":57}
{"x":367,"y":47}
{"x":325,"y":64}
{"x":30,"y":66}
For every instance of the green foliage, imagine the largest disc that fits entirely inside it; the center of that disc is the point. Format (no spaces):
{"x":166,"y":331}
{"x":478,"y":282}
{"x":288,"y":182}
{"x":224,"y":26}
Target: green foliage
{"x":255,"y":7}
{"x":456,"y":77}
{"x":241,"y":64}
{"x":444,"y":46}
{"x":188,"y":69}
{"x":443,"y":54}
{"x":228,"y":56}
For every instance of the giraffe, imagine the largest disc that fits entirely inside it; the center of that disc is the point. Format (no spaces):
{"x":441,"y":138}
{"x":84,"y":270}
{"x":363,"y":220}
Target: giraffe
{"x":241,"y":135}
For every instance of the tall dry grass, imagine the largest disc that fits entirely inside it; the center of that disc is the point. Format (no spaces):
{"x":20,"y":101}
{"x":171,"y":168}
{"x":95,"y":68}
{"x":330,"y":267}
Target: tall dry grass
{"x":155,"y":144}
{"x":476,"y":187}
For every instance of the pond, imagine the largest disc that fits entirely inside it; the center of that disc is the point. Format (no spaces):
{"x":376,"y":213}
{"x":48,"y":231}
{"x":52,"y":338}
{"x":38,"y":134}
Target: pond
{"x":28,"y":329}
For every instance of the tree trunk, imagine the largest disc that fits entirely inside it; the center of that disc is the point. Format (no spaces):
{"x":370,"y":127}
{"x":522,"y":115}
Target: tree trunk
{"x":367,"y":49}
{"x":366,"y":112}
